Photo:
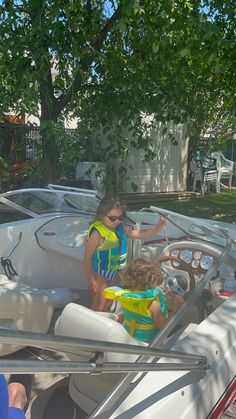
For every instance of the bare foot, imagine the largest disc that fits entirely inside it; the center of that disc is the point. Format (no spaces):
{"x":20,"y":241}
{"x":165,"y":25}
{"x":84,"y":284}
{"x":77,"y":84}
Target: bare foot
{"x":17,"y":395}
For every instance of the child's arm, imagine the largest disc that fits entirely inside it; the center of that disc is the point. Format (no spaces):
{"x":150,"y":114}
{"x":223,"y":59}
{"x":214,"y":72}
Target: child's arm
{"x":145,"y":234}
{"x":157,"y":314}
{"x":91,"y":246}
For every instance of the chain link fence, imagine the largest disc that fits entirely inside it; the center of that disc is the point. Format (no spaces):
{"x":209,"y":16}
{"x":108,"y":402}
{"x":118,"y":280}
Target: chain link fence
{"x":24,"y":143}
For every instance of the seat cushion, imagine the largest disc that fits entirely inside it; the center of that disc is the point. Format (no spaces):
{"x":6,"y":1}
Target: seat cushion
{"x":88,"y":390}
{"x":81,"y":322}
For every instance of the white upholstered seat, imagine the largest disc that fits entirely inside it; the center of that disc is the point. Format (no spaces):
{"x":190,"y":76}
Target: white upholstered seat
{"x":22,"y":308}
{"x":78,"y":321}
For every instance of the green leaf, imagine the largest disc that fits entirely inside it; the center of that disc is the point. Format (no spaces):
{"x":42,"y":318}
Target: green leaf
{"x":183,"y":52}
{"x":134,"y":187}
{"x":155,"y":47}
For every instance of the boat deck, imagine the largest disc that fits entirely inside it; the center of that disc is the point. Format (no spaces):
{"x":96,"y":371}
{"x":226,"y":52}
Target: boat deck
{"x":50,"y":397}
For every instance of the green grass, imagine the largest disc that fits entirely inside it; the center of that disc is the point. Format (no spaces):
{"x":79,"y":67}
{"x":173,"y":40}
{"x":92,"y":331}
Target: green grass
{"x":220,"y":206}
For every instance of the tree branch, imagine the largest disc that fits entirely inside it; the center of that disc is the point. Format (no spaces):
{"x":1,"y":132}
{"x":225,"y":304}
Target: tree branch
{"x":46,"y":90}
{"x":65,"y":98}
{"x":107,"y":28}
{"x":88,"y":5}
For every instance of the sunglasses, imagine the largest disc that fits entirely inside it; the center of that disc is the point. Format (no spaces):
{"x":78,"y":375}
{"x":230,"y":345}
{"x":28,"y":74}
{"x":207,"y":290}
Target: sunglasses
{"x":115,"y":218}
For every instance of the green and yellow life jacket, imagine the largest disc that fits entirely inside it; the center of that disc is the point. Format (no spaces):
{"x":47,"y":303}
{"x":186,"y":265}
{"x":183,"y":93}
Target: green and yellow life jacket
{"x":112,"y":254}
{"x":137,"y":318}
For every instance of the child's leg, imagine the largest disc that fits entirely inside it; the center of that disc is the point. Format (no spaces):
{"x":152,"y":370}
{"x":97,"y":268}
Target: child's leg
{"x":111,"y":283}
{"x":99,"y":302}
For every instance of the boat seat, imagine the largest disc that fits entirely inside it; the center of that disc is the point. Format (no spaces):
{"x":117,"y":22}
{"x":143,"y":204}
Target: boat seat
{"x":87,"y":390}
{"x":22,"y":308}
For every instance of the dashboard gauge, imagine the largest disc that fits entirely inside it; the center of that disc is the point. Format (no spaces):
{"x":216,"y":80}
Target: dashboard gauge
{"x":175,"y":263}
{"x":195,"y":264}
{"x":206,"y":262}
{"x":197,"y":254}
{"x":186,"y":256}
{"x":175,"y":252}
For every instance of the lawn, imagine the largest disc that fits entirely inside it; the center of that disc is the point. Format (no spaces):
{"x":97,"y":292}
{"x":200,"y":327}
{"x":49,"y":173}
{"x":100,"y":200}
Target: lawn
{"x":220,"y":206}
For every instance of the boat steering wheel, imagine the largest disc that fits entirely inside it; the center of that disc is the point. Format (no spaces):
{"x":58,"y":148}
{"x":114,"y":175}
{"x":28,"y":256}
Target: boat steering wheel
{"x":203,"y":303}
{"x":182,"y":266}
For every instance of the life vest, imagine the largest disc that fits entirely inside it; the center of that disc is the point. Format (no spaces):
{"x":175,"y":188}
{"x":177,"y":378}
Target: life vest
{"x":112,"y":254}
{"x":137,"y":318}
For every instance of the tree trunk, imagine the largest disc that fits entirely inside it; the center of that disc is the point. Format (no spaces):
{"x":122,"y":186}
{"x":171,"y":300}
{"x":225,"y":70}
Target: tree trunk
{"x":50,"y":152}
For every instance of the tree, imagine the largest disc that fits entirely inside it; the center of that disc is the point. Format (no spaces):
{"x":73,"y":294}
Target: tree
{"x":112,"y":61}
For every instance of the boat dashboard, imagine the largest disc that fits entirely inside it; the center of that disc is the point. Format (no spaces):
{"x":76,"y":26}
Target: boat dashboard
{"x":198,"y":260}
{"x":190,"y":259}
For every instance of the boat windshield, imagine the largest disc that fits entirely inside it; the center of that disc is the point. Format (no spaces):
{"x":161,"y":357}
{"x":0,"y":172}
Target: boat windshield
{"x":59,"y":199}
{"x":197,"y":228}
{"x":43,"y":201}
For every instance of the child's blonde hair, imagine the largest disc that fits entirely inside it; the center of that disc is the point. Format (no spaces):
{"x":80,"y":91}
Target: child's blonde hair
{"x":107,"y":204}
{"x":141,"y":274}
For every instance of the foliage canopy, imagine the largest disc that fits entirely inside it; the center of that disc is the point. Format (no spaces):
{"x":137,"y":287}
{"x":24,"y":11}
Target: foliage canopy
{"x":109,"y":62}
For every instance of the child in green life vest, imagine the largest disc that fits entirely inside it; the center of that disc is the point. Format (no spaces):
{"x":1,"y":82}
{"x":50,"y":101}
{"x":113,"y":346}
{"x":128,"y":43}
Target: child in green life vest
{"x":142,"y":301}
{"x":106,"y":250}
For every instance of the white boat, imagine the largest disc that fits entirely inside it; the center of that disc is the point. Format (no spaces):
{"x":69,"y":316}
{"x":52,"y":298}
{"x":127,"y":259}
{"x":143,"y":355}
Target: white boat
{"x":188,"y":371}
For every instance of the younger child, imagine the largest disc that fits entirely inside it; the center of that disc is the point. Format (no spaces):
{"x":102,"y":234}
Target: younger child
{"x":142,"y":302}
{"x":106,"y":250}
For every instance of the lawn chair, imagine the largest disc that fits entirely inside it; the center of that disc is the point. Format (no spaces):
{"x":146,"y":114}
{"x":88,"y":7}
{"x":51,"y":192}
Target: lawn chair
{"x":225,"y":168}
{"x":204,"y":171}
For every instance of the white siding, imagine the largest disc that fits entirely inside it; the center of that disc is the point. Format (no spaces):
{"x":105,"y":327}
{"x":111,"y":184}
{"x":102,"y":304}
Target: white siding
{"x":168,"y":172}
